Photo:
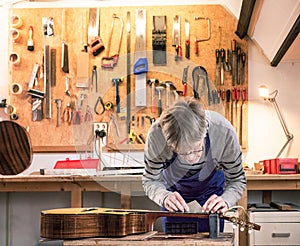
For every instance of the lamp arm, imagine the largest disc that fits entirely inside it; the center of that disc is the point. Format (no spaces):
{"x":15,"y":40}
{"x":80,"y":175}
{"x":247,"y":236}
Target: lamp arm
{"x":288,"y":135}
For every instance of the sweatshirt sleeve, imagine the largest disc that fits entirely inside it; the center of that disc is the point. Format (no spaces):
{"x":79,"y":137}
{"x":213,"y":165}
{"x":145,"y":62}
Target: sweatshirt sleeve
{"x":232,"y":165}
{"x":155,"y":156}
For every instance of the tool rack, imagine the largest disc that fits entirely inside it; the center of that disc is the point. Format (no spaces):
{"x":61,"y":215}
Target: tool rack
{"x":46,"y":136}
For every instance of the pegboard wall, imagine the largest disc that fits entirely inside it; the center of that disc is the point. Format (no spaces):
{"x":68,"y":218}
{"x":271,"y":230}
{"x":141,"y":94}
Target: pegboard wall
{"x":80,"y":102}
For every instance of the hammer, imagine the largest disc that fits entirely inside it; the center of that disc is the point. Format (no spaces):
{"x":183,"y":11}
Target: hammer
{"x":117,"y":81}
{"x":159,"y":89}
{"x":153,"y":83}
{"x":167,"y":85}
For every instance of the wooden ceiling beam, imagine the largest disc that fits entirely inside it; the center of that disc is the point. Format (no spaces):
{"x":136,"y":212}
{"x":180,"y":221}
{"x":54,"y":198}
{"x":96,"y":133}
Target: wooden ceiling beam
{"x":245,"y":17}
{"x":292,"y":35}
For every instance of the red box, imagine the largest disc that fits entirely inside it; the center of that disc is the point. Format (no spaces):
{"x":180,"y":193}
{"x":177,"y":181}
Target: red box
{"x":281,"y":166}
{"x":286,"y":165}
{"x":77,"y":164}
{"x":267,"y":167}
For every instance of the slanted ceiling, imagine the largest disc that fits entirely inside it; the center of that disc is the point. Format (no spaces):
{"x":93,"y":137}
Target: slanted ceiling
{"x":274,"y":26}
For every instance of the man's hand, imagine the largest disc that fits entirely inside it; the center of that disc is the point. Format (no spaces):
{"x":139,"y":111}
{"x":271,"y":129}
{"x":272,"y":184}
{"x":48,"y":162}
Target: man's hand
{"x":215,"y":204}
{"x":175,"y":202}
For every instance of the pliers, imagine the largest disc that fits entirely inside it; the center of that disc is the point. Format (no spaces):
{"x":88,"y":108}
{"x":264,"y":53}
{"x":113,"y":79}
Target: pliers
{"x":94,"y":78}
{"x":67,"y":114}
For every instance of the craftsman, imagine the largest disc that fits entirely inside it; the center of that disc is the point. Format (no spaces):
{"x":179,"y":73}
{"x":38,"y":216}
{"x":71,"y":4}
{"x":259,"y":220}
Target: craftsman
{"x":193,"y":154}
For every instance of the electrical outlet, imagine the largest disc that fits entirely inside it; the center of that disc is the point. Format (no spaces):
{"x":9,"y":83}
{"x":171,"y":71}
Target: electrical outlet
{"x":100,"y":130}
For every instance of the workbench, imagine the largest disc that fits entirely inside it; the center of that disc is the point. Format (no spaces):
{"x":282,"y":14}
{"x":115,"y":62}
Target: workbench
{"x":159,"y":239}
{"x":125,"y":185}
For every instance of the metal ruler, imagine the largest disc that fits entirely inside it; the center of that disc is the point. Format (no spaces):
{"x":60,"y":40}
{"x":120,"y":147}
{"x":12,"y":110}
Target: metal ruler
{"x":128,"y":85}
{"x":47,"y":81}
{"x":141,"y":64}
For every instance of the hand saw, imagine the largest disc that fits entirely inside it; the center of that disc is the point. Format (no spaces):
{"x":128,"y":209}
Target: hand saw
{"x":141,"y":64}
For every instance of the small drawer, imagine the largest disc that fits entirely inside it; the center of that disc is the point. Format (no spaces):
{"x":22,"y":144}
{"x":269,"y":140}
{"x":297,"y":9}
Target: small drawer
{"x":276,"y":234}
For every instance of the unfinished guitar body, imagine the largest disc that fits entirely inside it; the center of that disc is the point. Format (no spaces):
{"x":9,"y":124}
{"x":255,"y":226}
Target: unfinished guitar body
{"x":90,"y":222}
{"x":71,"y":223}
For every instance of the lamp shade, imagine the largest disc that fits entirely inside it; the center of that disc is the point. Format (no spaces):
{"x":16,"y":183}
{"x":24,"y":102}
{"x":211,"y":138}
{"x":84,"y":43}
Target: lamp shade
{"x":263,"y":92}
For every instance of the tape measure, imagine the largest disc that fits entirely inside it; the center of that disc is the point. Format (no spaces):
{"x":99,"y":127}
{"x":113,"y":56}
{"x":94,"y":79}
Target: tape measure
{"x":108,"y":105}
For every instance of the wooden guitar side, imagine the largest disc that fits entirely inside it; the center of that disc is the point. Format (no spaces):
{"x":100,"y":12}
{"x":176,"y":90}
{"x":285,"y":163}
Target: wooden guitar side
{"x":71,"y":223}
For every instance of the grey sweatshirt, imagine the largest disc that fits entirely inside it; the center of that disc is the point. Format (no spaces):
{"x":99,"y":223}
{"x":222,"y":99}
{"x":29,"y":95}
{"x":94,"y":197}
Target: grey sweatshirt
{"x":226,"y":154}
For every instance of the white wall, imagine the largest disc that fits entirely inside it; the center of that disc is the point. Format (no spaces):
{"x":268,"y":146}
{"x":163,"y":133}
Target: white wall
{"x":266,"y":136}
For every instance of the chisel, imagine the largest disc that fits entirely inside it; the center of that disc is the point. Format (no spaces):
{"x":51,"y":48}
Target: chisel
{"x":218,"y":68}
{"x":238,"y":113}
{"x":238,"y":65}
{"x":228,"y":107}
{"x":234,"y":62}
{"x":243,"y":58}
{"x":233,"y":108}
{"x":222,"y":53}
{"x":243,"y":120}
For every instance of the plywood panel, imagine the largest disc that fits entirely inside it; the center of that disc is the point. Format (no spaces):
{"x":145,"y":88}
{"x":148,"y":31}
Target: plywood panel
{"x":45,"y":135}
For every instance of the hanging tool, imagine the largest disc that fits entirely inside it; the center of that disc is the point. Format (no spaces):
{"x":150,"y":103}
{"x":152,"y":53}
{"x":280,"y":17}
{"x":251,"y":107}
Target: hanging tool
{"x":128,"y":82}
{"x":199,"y":75}
{"x":218,"y":67}
{"x":77,"y":117}
{"x":113,"y":121}
{"x":239,"y":50}
{"x":234,"y":63}
{"x":228,"y":106}
{"x":95,"y":42}
{"x":233,"y":107}
{"x":222,"y":54}
{"x":30,"y":45}
{"x":159,"y":40}
{"x":105,"y":106}
{"x":167,"y":85}
{"x":208,"y":33}
{"x":243,"y":58}
{"x":88,"y":114}
{"x":238,"y":112}
{"x":243,"y":139}
{"x":53,"y":67}
{"x":67,"y":91}
{"x":116,"y":82}
{"x":140,"y":67}
{"x":58,"y":103}
{"x":153,"y":83}
{"x":184,"y":80}
{"x":68,"y":114}
{"x":176,"y":37}
{"x":94,"y":78}
{"x":227,"y":63}
{"x":187,"y":39}
{"x":109,"y":61}
{"x":64,"y":46}
{"x":159,"y":107}
{"x":47,"y":82}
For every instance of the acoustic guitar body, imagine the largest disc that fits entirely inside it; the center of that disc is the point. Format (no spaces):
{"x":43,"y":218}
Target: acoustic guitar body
{"x":70,"y":223}
{"x":15,"y":148}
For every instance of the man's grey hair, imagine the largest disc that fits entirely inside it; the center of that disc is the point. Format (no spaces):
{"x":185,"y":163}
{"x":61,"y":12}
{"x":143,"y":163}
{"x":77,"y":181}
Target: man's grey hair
{"x":183,"y":124}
